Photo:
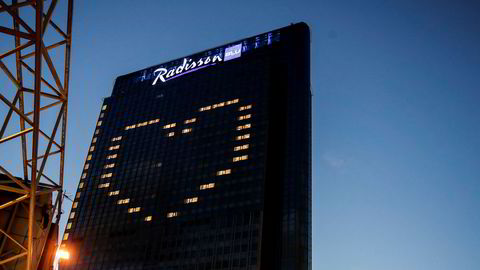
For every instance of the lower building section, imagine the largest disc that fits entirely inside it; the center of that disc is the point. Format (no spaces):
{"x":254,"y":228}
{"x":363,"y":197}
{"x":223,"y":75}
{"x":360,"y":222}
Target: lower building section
{"x":231,"y":241}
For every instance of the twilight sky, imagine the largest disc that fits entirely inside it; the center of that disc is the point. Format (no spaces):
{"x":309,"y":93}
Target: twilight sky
{"x":396,"y":110}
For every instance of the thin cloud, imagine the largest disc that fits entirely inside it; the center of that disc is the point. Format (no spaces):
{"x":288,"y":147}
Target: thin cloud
{"x":333,"y":161}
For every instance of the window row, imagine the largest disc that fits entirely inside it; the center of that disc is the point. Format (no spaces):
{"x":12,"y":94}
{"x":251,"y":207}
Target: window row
{"x":154,"y":121}
{"x":240,"y":158}
{"x":242,"y":127}
{"x":218,"y":105}
{"x":244,"y":117}
{"x":242,"y":108}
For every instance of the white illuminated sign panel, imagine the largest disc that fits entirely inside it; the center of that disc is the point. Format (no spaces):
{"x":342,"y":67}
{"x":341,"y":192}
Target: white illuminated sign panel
{"x":233,"y":52}
{"x":189,"y":65}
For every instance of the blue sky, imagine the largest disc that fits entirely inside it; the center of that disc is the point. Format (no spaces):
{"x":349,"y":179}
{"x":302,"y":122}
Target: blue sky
{"x":396,"y":134}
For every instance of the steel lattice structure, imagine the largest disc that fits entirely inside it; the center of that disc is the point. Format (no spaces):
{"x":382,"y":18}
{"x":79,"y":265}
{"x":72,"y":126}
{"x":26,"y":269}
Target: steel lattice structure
{"x":28,"y":42}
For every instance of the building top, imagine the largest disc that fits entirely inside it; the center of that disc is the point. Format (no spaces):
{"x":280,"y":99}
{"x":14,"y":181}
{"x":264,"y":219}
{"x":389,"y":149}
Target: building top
{"x":158,"y":74}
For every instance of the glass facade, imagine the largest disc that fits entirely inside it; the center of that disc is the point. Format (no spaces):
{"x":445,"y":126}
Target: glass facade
{"x":202,"y":163}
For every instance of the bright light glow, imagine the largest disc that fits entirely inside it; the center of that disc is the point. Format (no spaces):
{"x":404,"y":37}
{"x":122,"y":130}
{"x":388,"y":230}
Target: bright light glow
{"x":63,"y":254}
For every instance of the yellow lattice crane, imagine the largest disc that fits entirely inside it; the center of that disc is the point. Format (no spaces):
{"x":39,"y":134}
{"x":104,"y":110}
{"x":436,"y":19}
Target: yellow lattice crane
{"x":31,"y":197}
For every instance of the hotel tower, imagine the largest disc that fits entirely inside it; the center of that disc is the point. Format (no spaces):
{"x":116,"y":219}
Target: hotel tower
{"x":202,"y":163}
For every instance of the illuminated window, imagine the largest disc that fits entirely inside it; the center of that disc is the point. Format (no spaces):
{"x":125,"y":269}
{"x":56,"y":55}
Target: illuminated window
{"x":101,"y":115}
{"x":78,"y":195}
{"x":170,"y":134}
{"x":124,"y":201}
{"x":97,"y":131}
{"x":240,"y":158}
{"x":241,"y":147}
{"x":169,"y":125}
{"x":130,"y":127}
{"x":142,"y":124}
{"x":112,"y":156}
{"x":86,"y":166}
{"x":91,"y":148}
{"x":207,"y":108}
{"x":187,"y":130}
{"x":218,"y":105}
{"x":81,"y":185}
{"x":244,"y":127}
{"x":72,"y":214}
{"x":245,"y":107}
{"x":207,"y":186}
{"x":99,"y":123}
{"x":224,"y":172}
{"x":172,"y":214}
{"x":190,"y":121}
{"x":65,"y":236}
{"x":75,"y":204}
{"x":243,"y":117}
{"x":114,"y":193}
{"x":111,"y":165}
{"x":115,"y":147}
{"x":154,"y":121}
{"x":117,"y":138}
{"x":191,"y":200}
{"x":134,"y":209}
{"x":104,"y":107}
{"x":232,"y":101}
{"x":69,"y":225}
{"x":94,"y":140}
{"x":149,"y":218}
{"x":106,"y":175}
{"x":84,"y":175}
{"x":242,"y":137}
{"x":104,"y":185}
{"x":89,"y":157}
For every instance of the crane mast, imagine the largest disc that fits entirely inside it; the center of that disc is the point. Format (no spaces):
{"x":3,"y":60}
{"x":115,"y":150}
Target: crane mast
{"x":34,"y":94}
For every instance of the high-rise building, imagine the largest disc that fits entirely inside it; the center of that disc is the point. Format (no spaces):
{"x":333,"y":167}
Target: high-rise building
{"x":203,"y":162}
